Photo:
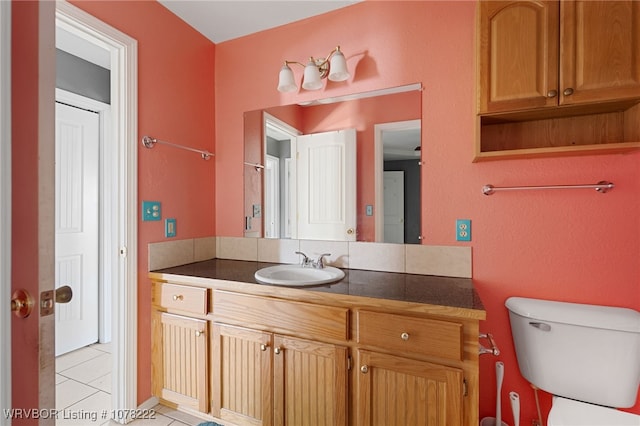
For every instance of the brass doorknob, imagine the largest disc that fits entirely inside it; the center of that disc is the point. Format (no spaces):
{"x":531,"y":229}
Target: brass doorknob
{"x":21,"y":303}
{"x":350,"y":231}
{"x":64,"y":294}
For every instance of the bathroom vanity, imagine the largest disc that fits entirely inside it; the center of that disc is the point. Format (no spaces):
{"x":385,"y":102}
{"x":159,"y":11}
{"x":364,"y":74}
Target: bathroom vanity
{"x":375,"y":348}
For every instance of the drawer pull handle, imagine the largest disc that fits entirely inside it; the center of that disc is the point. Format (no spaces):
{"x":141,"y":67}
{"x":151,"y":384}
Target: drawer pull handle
{"x":263,"y":347}
{"x":552,"y":93}
{"x":364,"y":369}
{"x":404,"y":336}
{"x":568,"y":91}
{"x":199,"y":333}
{"x":177,"y":297}
{"x":277,"y":351}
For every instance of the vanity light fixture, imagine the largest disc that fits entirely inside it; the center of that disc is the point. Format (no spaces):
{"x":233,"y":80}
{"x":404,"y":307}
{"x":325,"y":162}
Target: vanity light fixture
{"x":334,"y":66}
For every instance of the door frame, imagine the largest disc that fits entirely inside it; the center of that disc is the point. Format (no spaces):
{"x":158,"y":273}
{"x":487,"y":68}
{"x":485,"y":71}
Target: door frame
{"x":121,"y":245}
{"x":378,"y":159}
{"x":5,"y":205}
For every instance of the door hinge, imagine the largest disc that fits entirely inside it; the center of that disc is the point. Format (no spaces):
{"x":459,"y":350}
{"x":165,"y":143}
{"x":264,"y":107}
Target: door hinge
{"x":465,"y":390}
{"x":349,"y":363}
{"x":123,"y":251}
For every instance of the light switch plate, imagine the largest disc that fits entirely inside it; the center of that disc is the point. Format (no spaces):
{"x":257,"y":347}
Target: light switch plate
{"x":369,"y":210}
{"x":151,"y":210}
{"x":170,"y":227}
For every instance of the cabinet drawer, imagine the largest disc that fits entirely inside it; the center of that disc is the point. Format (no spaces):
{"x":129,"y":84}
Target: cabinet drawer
{"x":406,"y":334}
{"x":281,"y":316}
{"x":181,"y":297}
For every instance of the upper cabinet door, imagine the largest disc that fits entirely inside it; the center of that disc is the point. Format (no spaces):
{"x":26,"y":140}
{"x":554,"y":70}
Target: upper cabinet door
{"x":600,"y":51}
{"x":518,"y":55}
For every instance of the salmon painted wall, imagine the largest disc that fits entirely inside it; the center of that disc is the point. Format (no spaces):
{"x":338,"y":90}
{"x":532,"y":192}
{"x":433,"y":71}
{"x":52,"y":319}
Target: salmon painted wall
{"x":175,"y":104}
{"x":562,"y":245}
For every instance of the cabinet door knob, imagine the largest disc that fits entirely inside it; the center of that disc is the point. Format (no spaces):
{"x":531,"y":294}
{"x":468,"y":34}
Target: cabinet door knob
{"x":404,"y":336}
{"x":552,"y":93}
{"x":263,"y":347}
{"x":364,"y":369}
{"x":568,"y":91}
{"x":199,"y":333}
{"x":277,"y":351}
{"x":177,"y":297}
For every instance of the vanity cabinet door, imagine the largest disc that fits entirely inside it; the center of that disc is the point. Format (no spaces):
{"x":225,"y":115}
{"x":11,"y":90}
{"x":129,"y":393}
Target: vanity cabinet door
{"x":396,"y":391}
{"x":310,"y":383}
{"x":179,"y":368}
{"x":241,"y":383}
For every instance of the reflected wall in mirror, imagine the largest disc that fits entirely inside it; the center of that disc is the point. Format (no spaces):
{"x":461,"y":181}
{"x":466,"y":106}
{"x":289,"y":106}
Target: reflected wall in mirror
{"x":387,"y":170}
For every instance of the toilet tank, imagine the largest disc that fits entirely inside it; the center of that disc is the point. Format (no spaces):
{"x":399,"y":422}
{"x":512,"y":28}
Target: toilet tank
{"x":585,"y":352}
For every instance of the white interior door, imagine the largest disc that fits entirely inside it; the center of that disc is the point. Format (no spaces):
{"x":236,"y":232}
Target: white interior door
{"x":272,"y":197}
{"x":326,"y":170}
{"x":394,"y":207}
{"x":76,"y":218}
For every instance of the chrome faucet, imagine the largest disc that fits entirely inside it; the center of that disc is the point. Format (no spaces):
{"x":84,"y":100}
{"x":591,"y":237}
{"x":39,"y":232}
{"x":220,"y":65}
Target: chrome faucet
{"x":319,"y":262}
{"x":306,"y":262}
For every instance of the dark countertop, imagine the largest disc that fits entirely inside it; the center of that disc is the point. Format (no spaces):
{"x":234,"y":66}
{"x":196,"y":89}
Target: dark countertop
{"x":426,"y":289}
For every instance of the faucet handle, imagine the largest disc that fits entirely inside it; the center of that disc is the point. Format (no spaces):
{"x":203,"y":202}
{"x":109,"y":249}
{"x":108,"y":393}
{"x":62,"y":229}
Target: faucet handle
{"x":305,"y":259}
{"x":320,"y":261}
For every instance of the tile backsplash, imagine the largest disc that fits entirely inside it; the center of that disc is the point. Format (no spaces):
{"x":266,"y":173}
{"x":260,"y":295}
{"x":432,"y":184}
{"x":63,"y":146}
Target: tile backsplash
{"x":448,"y":261}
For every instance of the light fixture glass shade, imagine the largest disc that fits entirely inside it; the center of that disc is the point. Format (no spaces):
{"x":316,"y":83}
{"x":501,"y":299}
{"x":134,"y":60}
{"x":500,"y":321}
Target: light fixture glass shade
{"x":286,"y":81}
{"x":338,"y":67}
{"x":312,"y":78}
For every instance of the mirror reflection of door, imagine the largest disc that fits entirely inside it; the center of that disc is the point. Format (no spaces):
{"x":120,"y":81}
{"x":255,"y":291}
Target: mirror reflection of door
{"x":279,"y":185}
{"x":394,"y":207}
{"x":398,"y":149}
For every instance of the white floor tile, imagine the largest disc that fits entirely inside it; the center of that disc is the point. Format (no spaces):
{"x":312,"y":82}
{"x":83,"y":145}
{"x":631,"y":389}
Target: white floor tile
{"x":90,"y":370}
{"x":103,"y":383}
{"x":159,"y":420}
{"x":93,"y":410}
{"x":69,"y":392}
{"x":178,"y":415}
{"x":104,"y":347}
{"x":71,"y":359}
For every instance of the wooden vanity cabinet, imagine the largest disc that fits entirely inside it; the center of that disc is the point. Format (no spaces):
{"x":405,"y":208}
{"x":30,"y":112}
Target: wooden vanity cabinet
{"x":278,"y":358}
{"x":180,"y":347}
{"x":396,"y":385}
{"x":263,"y":377}
{"x":558,"y":77}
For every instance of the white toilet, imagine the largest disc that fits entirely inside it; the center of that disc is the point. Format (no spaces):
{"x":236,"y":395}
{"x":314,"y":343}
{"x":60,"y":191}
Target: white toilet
{"x":587,"y":356}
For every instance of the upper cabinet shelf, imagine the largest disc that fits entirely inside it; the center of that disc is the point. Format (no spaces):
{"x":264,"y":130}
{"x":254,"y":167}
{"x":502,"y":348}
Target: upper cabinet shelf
{"x":558,"y":77}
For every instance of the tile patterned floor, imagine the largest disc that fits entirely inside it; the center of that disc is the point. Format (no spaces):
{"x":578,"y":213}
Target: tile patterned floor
{"x":83,"y":391}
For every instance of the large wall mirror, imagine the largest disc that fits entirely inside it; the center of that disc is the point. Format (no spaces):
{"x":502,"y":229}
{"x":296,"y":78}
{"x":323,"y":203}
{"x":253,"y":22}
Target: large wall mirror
{"x":346,"y":169}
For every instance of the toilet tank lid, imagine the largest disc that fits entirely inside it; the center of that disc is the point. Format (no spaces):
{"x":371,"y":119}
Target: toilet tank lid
{"x":596,"y":316}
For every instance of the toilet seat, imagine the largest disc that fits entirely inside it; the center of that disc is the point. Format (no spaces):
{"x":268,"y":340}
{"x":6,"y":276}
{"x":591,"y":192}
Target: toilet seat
{"x":567,"y":412}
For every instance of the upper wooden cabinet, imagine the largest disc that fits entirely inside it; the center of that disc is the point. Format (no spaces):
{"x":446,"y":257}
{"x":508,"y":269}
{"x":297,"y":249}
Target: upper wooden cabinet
{"x":557,"y":78}
{"x":518,"y":55}
{"x":546,"y":53}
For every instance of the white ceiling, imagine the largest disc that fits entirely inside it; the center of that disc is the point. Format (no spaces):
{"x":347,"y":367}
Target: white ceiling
{"x":221,"y":20}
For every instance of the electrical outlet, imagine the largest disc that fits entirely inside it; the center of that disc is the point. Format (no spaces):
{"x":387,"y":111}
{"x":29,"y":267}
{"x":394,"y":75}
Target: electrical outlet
{"x":151,"y":210}
{"x":257,"y":210}
{"x":463,"y":230}
{"x":170,"y":227}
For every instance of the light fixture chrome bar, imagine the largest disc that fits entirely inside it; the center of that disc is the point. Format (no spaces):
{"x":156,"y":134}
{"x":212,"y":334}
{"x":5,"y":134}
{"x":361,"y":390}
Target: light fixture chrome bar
{"x":150,"y":142}
{"x":601,"y":187}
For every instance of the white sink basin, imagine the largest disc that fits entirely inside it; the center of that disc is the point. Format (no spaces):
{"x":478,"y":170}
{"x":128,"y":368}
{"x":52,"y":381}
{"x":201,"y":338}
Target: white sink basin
{"x":296,"y":275}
